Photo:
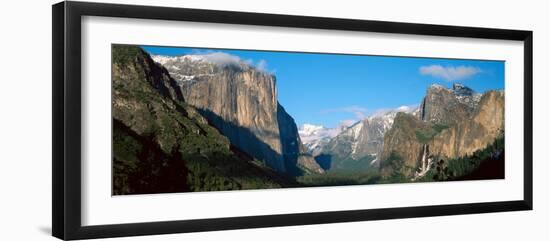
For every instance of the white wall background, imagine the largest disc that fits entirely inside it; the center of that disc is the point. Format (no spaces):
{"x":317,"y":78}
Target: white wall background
{"x":25,"y":120}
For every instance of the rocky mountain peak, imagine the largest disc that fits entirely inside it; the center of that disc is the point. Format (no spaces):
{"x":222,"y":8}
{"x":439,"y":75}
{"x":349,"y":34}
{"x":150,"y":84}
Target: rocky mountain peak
{"x":436,"y":87}
{"x":462,"y":90}
{"x":314,"y":137}
{"x":442,"y":105}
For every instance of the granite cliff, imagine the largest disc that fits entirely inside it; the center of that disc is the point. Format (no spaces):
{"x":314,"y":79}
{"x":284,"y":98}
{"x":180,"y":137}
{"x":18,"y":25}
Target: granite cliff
{"x":451,"y":123}
{"x":241,"y":101}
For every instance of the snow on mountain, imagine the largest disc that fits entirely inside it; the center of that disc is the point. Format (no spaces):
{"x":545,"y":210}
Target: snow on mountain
{"x":356,"y":134}
{"x":191,"y":68}
{"x":162,"y":59}
{"x":466,"y":95}
{"x":307,"y":130}
{"x":315,"y":136}
{"x":386,"y":117}
{"x":363,"y":139}
{"x":208,"y":60}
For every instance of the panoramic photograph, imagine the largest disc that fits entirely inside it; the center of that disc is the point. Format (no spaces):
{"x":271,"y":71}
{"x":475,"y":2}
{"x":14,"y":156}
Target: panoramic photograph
{"x":190,"y":119}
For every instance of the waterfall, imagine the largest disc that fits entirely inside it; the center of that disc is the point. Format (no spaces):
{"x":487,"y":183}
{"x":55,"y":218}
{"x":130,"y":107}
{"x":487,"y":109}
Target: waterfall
{"x":424,"y":157}
{"x":426,"y":163}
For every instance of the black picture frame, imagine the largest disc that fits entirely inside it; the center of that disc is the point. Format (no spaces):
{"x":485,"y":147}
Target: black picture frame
{"x":66,"y":170}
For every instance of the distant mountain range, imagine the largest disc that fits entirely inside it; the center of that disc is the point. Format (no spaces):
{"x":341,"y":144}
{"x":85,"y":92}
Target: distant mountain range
{"x":354,"y":146}
{"x":314,"y":137}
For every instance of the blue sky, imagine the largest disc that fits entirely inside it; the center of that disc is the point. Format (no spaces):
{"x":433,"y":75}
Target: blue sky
{"x":325,"y":89}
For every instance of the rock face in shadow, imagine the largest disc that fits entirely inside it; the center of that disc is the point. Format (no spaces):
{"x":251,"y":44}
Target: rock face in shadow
{"x":241,"y":101}
{"x":452,"y":123}
{"x":401,"y":142}
{"x":241,"y":98}
{"x":297,"y":160}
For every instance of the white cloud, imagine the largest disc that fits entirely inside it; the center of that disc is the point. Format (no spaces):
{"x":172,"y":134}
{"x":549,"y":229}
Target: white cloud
{"x":262,"y":65}
{"x":345,"y":123}
{"x":358,"y":111}
{"x":403,"y":108}
{"x":450,"y":73}
{"x":225,"y":59}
